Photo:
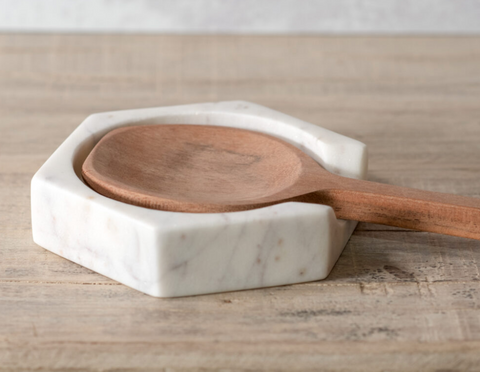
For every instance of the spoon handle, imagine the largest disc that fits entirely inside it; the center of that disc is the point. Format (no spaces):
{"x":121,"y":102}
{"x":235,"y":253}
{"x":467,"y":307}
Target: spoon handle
{"x":403,"y":207}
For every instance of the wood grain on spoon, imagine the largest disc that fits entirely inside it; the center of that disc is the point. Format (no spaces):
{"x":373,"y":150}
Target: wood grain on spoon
{"x":208,"y":169}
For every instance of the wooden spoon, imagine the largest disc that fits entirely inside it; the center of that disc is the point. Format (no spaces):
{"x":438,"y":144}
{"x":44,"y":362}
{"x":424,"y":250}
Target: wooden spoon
{"x":205,"y":169}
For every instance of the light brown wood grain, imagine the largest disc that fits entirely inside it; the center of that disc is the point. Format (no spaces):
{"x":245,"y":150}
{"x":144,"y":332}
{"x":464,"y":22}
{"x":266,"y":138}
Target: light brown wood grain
{"x":211,"y":169}
{"x":195,"y":168}
{"x":396,"y":300}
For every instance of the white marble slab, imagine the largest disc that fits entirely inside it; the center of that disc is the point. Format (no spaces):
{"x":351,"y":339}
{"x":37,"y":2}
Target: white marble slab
{"x":167,"y":254}
{"x":243,"y":17}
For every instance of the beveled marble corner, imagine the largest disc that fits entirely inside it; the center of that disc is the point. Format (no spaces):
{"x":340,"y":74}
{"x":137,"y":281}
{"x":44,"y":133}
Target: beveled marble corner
{"x":167,"y":254}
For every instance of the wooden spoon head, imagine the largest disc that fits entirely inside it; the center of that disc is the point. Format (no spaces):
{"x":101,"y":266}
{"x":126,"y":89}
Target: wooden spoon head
{"x":196,"y":168}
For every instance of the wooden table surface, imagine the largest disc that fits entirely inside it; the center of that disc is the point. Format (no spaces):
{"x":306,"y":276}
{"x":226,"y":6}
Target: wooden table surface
{"x":396,"y":300}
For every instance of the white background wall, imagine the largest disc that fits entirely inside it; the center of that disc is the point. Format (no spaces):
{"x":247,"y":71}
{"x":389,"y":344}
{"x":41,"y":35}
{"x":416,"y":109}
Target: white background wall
{"x":243,"y":16}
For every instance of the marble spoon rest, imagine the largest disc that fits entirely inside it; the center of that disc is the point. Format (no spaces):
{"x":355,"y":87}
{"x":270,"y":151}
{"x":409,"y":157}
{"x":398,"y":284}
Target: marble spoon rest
{"x":169,"y":254}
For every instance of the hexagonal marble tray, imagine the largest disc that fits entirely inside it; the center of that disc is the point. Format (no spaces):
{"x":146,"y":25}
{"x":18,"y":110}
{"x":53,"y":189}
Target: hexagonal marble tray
{"x":168,"y":254}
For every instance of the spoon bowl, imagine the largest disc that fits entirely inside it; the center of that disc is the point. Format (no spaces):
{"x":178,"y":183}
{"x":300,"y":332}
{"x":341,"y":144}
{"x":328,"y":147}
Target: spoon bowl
{"x":192,"y":168}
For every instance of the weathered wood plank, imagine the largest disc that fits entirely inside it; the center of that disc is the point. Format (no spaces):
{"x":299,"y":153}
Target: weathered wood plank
{"x":396,"y":300}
